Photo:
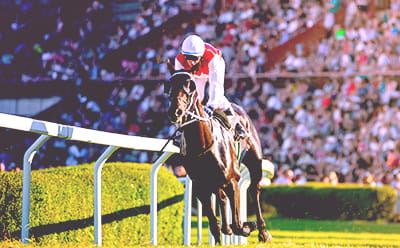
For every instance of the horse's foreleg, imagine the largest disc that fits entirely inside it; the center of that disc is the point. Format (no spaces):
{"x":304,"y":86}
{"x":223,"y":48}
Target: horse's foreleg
{"x":232,"y":190}
{"x":222,"y":199}
{"x":263,"y":234}
{"x":212,"y":220}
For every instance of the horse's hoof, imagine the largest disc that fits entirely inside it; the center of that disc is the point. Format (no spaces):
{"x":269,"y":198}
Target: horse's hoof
{"x":250,"y":225}
{"x":244,"y":231}
{"x":237,"y":230}
{"x":226,"y":230}
{"x":217,"y":237}
{"x":264,"y":236}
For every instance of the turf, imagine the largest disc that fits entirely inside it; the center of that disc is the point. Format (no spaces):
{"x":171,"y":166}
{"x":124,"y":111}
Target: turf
{"x":292,"y":233}
{"x":320,"y":233}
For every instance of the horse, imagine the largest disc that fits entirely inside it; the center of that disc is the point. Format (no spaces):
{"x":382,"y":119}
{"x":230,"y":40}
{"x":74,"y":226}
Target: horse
{"x":210,"y":157}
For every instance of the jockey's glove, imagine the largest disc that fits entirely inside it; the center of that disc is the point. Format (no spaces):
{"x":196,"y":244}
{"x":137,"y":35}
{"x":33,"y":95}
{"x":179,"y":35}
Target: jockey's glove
{"x":209,"y":110}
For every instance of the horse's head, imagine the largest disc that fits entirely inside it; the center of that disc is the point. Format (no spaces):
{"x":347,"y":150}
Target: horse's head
{"x":181,"y":95}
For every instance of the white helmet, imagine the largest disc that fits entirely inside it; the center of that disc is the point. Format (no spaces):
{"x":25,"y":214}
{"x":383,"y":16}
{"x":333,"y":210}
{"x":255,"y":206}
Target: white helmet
{"x":193,"y":45}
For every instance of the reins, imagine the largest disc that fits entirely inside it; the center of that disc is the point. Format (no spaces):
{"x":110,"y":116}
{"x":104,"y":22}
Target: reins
{"x":191,"y":115}
{"x":194,"y":118}
{"x":197,"y":118}
{"x":173,"y":136}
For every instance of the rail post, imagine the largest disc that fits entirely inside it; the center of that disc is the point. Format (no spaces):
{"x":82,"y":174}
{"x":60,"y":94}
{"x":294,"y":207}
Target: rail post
{"x":97,"y":192}
{"x":153,"y":196}
{"x":26,"y":186}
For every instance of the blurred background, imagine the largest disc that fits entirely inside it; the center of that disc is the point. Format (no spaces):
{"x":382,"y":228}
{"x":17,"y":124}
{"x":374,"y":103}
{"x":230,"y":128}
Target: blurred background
{"x":319,"y":78}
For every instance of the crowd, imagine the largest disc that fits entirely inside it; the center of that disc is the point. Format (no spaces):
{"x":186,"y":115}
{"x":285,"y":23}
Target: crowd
{"x":358,"y":118}
{"x":67,"y":40}
{"x":51,"y":40}
{"x":138,"y":110}
{"x":342,"y":129}
{"x":246,"y":30}
{"x":367,"y":40}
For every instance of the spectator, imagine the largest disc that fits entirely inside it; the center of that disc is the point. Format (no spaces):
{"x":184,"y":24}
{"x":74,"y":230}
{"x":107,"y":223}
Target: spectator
{"x":2,"y":167}
{"x":331,"y":178}
{"x":285,"y":177}
{"x":369,"y":179}
{"x":396,"y":185}
{"x":299,"y":177}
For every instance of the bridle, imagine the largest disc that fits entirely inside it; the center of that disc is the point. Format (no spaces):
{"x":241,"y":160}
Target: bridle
{"x":190,"y":113}
{"x":193,"y":116}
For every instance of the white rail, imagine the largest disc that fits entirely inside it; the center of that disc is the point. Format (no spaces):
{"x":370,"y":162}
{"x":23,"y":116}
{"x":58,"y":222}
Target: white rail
{"x":114,"y":142}
{"x":84,"y":134}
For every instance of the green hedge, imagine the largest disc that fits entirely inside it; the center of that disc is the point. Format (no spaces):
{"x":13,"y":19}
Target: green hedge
{"x":62,"y":205}
{"x":322,"y":201}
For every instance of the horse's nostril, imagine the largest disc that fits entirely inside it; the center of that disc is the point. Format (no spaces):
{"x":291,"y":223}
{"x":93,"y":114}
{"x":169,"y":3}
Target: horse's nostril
{"x":179,"y":112}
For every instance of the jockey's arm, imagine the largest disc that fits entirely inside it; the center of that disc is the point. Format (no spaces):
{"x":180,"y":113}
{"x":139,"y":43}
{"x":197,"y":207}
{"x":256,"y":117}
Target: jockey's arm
{"x":216,"y":78}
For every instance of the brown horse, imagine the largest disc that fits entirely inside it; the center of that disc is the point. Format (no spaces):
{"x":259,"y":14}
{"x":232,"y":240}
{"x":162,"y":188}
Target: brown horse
{"x":210,"y":157}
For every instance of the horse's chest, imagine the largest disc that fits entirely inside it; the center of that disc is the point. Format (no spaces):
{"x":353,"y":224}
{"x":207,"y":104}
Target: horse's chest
{"x":209,"y":169}
{"x":204,"y":168}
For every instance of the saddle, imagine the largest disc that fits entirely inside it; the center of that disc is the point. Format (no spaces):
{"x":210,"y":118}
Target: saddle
{"x":221,"y":116}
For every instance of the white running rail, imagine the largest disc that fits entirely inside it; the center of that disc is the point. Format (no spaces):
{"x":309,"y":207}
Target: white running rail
{"x":114,"y":141}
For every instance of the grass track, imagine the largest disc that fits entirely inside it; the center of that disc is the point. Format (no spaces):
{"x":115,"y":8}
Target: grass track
{"x":323,"y":234}
{"x":289,"y":233}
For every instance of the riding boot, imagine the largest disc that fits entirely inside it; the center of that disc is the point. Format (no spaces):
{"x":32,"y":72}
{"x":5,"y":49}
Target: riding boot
{"x":222,"y":117}
{"x":239,"y":131}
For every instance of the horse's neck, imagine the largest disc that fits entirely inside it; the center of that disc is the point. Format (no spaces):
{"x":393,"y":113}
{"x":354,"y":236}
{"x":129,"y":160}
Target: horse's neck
{"x":198,"y":135}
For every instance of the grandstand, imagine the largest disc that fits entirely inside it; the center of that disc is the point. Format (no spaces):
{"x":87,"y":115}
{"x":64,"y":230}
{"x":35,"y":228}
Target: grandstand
{"x":323,"y":95}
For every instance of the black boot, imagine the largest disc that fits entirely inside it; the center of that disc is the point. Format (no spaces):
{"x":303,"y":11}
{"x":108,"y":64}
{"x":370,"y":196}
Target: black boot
{"x":240,"y":133}
{"x":222,"y":117}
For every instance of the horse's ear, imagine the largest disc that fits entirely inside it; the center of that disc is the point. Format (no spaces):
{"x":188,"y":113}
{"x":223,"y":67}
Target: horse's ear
{"x":192,"y":86}
{"x":167,"y":86}
{"x":170,"y":66}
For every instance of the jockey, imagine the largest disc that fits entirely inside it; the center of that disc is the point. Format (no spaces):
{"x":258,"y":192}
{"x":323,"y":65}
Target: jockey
{"x":209,"y":66}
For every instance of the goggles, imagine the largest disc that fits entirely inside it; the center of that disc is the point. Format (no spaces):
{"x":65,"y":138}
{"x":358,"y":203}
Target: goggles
{"x":191,"y":57}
